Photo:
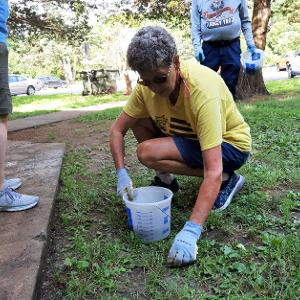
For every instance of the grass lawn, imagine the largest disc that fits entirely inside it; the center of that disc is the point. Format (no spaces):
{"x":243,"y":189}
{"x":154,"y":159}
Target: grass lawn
{"x":28,"y":106}
{"x":288,"y":87}
{"x":250,"y":251}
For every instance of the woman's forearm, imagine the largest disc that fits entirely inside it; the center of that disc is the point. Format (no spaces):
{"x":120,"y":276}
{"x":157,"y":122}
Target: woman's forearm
{"x":117,"y":148}
{"x":207,"y":195}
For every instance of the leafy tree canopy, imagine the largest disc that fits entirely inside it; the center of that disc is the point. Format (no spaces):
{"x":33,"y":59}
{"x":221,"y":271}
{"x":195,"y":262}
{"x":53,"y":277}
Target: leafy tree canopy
{"x":288,"y":8}
{"x":55,"y":19}
{"x":174,"y":12}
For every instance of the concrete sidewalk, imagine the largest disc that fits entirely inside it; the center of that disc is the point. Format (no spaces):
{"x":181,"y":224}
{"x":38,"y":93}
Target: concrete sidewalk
{"x":36,"y":121}
{"x":24,"y":235}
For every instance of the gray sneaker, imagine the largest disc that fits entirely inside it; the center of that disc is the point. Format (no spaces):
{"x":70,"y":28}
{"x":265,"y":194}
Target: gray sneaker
{"x":13,"y":183}
{"x":13,"y":201}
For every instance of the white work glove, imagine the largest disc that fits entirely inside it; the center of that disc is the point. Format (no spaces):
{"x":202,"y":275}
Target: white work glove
{"x":184,"y":249}
{"x":124,"y":184}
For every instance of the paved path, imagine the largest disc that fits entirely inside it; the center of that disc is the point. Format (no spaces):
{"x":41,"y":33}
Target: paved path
{"x":35,"y":121}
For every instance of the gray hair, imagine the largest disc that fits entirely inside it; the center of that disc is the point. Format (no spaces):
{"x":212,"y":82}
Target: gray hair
{"x":152,"y":47}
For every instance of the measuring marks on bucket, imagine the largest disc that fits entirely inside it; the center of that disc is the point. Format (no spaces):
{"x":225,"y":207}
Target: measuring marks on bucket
{"x":147,"y":223}
{"x":144,"y":225}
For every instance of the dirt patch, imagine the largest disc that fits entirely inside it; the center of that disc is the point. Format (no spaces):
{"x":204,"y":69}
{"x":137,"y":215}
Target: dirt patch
{"x":134,"y":282}
{"x":74,"y":134}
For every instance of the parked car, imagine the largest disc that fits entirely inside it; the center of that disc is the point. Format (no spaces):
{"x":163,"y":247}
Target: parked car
{"x":19,"y":84}
{"x":50,"y":81}
{"x":293,"y":66}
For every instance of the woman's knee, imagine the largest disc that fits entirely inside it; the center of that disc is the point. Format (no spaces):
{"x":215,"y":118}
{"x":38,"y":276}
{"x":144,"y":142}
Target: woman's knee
{"x":145,"y":153}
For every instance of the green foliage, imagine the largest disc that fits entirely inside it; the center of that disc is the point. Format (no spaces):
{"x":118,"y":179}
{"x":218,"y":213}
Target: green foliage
{"x":284,"y":30}
{"x":289,"y":8}
{"x":174,"y":12}
{"x":43,"y":58}
{"x":282,"y":38}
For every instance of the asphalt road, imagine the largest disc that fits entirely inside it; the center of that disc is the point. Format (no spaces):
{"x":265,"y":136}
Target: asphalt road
{"x":270,"y":73}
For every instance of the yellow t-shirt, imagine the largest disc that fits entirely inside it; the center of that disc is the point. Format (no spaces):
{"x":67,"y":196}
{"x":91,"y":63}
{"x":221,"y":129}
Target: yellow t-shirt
{"x":207,"y":112}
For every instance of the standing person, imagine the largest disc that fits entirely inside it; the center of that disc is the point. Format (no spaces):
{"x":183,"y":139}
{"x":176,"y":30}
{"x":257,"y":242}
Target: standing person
{"x":186,"y":122}
{"x":9,"y":199}
{"x":216,"y":29}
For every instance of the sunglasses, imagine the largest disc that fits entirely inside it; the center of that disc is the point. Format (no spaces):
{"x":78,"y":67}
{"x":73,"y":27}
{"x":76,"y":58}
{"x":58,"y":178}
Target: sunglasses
{"x":156,"y":80}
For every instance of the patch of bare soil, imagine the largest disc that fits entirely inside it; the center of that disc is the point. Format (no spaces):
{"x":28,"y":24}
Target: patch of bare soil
{"x":73,"y":133}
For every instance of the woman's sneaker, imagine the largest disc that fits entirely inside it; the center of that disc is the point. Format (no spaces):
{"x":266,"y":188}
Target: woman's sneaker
{"x":10,"y":200}
{"x":13,"y":183}
{"x":228,"y":189}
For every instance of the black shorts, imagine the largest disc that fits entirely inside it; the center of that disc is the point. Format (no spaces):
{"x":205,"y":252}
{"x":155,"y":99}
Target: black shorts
{"x":5,"y":97}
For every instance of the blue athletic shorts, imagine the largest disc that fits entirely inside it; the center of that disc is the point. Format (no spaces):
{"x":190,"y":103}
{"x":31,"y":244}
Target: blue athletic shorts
{"x":191,"y":153}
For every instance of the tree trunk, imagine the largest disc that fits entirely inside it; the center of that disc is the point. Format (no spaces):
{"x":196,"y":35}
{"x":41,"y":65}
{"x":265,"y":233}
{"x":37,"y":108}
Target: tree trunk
{"x":128,"y":90}
{"x":67,"y":68}
{"x":250,"y":85}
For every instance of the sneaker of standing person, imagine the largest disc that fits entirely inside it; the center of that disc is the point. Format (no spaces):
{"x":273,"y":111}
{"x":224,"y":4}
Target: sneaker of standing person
{"x":228,"y":189}
{"x":10,"y":200}
{"x":13,"y":183}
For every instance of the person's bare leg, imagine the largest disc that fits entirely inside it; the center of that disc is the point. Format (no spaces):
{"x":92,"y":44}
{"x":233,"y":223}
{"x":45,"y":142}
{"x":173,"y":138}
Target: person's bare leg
{"x":144,"y":130}
{"x":3,"y":143}
{"x":162,"y":154}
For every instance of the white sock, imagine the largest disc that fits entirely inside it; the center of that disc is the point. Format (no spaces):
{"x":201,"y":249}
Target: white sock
{"x":225,"y":176}
{"x":165,"y":177}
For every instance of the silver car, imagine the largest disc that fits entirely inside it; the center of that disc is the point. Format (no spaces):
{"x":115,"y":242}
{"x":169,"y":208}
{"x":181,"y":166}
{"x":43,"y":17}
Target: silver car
{"x":19,"y":84}
{"x":293,"y":66}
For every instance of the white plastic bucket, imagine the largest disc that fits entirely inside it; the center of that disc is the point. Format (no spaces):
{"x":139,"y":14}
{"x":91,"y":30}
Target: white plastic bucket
{"x":253,"y":62}
{"x":149,"y":213}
